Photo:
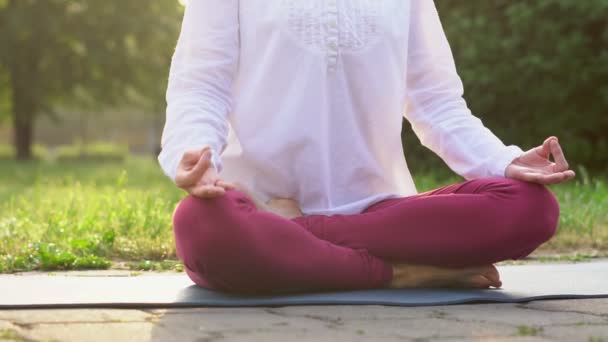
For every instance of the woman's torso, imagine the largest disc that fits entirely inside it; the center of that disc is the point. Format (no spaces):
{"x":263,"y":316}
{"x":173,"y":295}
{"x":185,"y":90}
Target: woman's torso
{"x":318,"y":102}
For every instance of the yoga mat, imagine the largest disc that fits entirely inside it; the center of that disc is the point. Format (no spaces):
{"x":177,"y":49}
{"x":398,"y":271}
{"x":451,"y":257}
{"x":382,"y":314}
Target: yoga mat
{"x":521,"y":283}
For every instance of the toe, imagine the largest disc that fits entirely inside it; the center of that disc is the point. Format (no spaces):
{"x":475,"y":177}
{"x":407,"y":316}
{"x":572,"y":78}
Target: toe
{"x":479,"y":281}
{"x":493,"y":275}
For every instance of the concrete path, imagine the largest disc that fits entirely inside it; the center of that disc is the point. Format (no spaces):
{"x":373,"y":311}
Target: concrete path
{"x":549,"y":320}
{"x":553,"y":320}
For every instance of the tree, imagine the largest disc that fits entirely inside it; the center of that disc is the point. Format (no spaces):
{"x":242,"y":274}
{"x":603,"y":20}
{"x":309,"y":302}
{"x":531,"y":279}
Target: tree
{"x":532,"y":69}
{"x":59,"y":52}
{"x":4,"y":96}
{"x":536,"y":68}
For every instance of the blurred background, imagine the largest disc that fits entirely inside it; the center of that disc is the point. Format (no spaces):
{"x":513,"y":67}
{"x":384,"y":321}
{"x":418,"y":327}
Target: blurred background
{"x":94,"y":72}
{"x":84,"y":72}
{"x":82,"y":86}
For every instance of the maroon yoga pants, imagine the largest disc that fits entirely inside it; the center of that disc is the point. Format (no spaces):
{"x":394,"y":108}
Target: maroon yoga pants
{"x":227,"y":244}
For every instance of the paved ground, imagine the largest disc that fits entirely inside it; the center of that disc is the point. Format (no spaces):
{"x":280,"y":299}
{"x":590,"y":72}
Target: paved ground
{"x":550,"y":320}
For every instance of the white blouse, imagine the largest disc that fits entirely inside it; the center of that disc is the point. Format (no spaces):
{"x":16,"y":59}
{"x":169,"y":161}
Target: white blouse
{"x":304,"y":99}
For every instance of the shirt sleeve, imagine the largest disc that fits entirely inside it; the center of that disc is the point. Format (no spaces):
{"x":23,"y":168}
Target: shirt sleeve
{"x":199,"y":91}
{"x":435,"y":106}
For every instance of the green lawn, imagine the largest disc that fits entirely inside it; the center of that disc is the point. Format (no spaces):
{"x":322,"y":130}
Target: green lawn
{"x":118,"y":214}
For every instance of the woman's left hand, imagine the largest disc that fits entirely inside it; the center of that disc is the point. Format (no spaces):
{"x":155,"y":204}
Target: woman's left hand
{"x":534,"y":165}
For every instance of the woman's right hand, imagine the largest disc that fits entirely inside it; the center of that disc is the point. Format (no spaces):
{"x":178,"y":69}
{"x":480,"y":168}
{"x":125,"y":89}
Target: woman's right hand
{"x":195,"y":175}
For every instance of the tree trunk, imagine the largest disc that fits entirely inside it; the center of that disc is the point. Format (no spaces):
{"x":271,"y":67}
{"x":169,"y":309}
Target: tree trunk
{"x":23,"y":129}
{"x":23,"y":120}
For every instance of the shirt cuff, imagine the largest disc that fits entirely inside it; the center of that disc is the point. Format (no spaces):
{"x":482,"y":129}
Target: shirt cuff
{"x":216,"y":161}
{"x":498,"y":166}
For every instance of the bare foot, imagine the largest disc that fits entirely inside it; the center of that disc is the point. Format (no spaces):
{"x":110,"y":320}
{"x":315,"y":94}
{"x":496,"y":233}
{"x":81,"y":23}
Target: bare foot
{"x":284,"y":207}
{"x":411,"y":275}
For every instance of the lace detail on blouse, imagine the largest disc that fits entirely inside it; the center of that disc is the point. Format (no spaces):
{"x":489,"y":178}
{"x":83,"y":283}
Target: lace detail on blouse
{"x":333,"y":26}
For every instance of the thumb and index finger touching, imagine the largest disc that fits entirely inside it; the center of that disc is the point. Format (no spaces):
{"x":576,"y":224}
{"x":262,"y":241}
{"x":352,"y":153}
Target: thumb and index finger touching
{"x":201,"y":166}
{"x":202,"y":161}
{"x":546,"y":148}
{"x":191,"y":157}
{"x":193,"y":164}
{"x":551,"y":146}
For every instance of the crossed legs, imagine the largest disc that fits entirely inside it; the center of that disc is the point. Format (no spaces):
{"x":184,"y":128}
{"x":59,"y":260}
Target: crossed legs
{"x":227,"y":244}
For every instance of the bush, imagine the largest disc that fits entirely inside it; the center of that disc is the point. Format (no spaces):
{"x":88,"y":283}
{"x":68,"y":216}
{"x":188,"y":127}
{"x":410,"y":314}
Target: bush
{"x":532,"y":69}
{"x":98,"y":151}
{"x":8,"y":152}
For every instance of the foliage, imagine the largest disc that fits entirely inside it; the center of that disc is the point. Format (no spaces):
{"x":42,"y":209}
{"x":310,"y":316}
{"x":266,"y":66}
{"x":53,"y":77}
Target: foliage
{"x":525,"y":330}
{"x":76,"y":152}
{"x":83,"y":52}
{"x":98,"y":214}
{"x":84,"y":215}
{"x":5,"y":108}
{"x":39,"y":152}
{"x":98,"y":151}
{"x":532,"y":69}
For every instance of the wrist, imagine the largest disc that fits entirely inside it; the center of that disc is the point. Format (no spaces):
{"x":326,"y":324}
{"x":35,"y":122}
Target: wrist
{"x":507,"y":158}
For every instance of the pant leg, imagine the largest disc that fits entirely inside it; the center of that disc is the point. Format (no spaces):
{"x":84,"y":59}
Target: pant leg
{"x":227,"y":244}
{"x":471,"y":223}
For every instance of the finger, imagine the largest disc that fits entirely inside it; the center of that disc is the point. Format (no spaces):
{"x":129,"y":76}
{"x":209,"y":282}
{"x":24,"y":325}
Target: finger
{"x":225,"y":185}
{"x":552,"y":178}
{"x":571,"y":174}
{"x":207,"y":191}
{"x":555,"y":178}
{"x":558,"y":154}
{"x":544,"y":150}
{"x":543,"y":178}
{"x":191,"y":157}
{"x":201,"y":166}
{"x":568,"y":175}
{"x":550,"y":139}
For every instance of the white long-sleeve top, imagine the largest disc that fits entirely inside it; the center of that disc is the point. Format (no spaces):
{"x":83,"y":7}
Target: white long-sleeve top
{"x":304,"y":99}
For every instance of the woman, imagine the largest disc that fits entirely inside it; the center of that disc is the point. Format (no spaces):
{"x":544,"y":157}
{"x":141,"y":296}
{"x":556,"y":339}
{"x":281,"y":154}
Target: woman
{"x":284,"y":126}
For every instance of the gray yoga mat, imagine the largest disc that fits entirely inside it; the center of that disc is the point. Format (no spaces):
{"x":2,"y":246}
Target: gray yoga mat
{"x":520,"y":283}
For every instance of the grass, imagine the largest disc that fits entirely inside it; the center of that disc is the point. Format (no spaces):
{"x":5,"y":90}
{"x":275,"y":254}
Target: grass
{"x":583,"y":224}
{"x":7,"y":334}
{"x":96,"y":215}
{"x":524,"y":330}
{"x":84,"y":215}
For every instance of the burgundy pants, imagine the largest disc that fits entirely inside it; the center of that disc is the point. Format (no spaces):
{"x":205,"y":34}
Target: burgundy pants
{"x":227,"y":244}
